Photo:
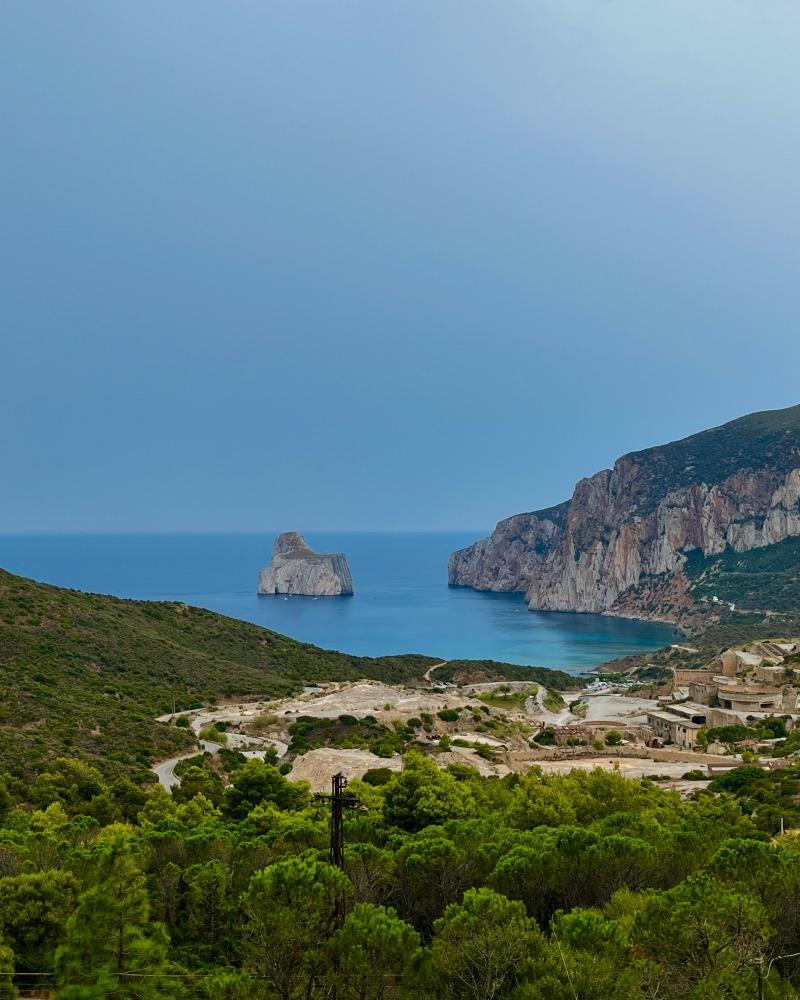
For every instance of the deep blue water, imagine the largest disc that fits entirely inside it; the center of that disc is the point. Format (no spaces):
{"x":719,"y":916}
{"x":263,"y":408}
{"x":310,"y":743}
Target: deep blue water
{"x":402,"y":602}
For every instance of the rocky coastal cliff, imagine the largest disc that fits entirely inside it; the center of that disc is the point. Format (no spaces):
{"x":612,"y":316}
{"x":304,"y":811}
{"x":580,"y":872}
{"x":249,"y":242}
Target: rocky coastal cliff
{"x":296,"y":569}
{"x":620,"y":544}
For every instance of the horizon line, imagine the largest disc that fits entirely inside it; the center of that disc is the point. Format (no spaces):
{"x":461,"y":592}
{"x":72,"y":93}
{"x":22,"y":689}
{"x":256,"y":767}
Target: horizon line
{"x":189,"y":533}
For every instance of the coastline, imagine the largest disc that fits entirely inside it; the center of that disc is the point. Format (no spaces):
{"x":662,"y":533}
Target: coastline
{"x":643,"y":616}
{"x":403,"y":600}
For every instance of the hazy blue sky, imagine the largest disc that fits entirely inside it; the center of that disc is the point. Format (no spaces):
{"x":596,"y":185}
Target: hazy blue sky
{"x":383,"y":264}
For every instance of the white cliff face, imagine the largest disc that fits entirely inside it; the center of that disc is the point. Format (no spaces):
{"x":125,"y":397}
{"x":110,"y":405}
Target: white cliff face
{"x":296,"y":569}
{"x":606,"y":540}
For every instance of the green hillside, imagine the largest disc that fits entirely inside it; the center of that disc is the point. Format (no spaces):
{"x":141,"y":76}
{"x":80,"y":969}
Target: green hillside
{"x":85,"y":675}
{"x":480,"y":671}
{"x":765,"y":579}
{"x":769,"y":438}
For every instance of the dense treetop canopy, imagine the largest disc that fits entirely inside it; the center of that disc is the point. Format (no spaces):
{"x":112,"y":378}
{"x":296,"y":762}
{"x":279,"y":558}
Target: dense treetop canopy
{"x":541,"y":887}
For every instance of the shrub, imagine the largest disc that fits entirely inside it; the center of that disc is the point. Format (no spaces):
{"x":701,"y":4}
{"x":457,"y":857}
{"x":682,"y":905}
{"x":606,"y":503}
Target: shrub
{"x":789,"y":745}
{"x":378,"y":776}
{"x":731,"y":734}
{"x":310,"y":733}
{"x":553,"y":701}
{"x":261,"y":722}
{"x":231,"y":760}
{"x":213,"y":735}
{"x":775,"y":725}
{"x":737,"y":778}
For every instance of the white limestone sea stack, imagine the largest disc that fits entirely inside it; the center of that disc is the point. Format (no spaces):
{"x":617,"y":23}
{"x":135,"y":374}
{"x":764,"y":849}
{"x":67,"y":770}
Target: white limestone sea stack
{"x":296,"y":569}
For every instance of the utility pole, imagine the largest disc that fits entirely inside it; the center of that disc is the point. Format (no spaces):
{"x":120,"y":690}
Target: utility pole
{"x":339,"y":802}
{"x":338,"y":785}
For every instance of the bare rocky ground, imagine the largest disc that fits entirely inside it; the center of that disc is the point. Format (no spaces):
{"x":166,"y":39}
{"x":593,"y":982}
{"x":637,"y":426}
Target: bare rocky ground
{"x":618,"y":708}
{"x":255,"y":726}
{"x":369,"y":698}
{"x":318,"y":766}
{"x":629,"y":767}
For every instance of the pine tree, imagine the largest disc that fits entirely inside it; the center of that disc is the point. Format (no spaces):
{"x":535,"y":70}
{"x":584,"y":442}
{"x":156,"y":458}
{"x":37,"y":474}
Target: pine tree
{"x":111,"y":948}
{"x":7,"y":990}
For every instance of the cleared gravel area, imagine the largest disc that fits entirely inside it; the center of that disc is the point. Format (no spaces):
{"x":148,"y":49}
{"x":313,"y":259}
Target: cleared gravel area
{"x":317,"y":766}
{"x":617,"y":708}
{"x":629,"y":767}
{"x":632,"y":767}
{"x":368,"y":698}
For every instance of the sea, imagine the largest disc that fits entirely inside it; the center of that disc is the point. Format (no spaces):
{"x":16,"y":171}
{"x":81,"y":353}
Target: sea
{"x":402,"y":602}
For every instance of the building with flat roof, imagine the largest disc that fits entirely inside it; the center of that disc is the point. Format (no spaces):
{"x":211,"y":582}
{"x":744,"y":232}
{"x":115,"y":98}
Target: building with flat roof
{"x":677,"y":729}
{"x":687,"y":710}
{"x":744,"y":698}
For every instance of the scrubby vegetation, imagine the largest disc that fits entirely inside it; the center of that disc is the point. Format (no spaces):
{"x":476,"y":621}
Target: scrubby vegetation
{"x":505,"y":696}
{"x":758,"y":579}
{"x":697,"y":650}
{"x":788,"y":746}
{"x":769,"y":438}
{"x":484,"y":671}
{"x":771,"y":798}
{"x":448,"y":714}
{"x":553,"y":701}
{"x":311,"y":732}
{"x":86,"y":675}
{"x":772,"y":728}
{"x":454,"y":886}
{"x":588,"y":886}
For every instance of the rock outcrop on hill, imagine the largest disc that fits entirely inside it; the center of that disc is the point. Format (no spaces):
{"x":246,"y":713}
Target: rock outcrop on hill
{"x":620,"y":544}
{"x":296,"y":569}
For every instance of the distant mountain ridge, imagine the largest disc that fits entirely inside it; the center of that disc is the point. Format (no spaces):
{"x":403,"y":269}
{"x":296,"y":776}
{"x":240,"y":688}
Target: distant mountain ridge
{"x":621,"y":543}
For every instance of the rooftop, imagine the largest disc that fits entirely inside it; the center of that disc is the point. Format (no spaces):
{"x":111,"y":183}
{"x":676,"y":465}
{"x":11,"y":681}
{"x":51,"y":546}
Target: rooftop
{"x":674,"y":719}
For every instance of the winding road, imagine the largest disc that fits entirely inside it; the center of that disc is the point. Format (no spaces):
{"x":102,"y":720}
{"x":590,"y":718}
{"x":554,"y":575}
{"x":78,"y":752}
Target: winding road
{"x":165,"y":771}
{"x":257,"y":746}
{"x":562,"y":718}
{"x":434,"y":666}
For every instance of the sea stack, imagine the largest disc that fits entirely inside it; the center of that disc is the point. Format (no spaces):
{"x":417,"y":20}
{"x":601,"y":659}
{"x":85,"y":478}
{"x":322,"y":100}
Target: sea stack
{"x":296,"y":569}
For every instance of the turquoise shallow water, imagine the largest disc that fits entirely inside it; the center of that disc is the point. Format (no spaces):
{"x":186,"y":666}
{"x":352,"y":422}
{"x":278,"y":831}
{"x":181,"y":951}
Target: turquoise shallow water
{"x":402,"y":602}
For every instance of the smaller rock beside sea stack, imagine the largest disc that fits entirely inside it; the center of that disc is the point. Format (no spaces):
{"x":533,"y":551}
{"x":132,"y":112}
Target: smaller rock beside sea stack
{"x":296,"y":569}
